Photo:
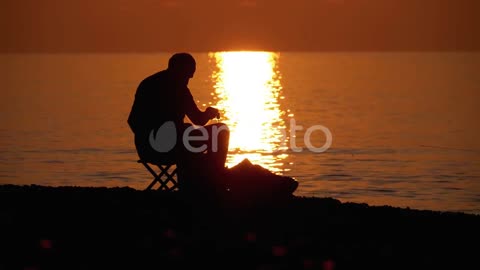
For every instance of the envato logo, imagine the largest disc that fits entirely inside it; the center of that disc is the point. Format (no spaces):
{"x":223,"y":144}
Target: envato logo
{"x":165,"y":138}
{"x":308,"y":136}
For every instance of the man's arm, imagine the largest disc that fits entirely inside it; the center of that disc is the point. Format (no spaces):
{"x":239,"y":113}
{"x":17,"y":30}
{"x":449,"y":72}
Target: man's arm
{"x":196,"y":115}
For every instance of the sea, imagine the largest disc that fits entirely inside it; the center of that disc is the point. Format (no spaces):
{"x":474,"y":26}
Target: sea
{"x":380,"y":128}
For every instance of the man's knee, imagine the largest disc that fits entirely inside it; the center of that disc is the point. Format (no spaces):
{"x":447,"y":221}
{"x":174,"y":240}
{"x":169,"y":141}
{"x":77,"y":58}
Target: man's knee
{"x":219,"y":134}
{"x":219,"y":128}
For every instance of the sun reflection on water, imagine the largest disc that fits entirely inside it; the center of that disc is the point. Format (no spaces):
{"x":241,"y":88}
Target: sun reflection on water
{"x":247,"y":90}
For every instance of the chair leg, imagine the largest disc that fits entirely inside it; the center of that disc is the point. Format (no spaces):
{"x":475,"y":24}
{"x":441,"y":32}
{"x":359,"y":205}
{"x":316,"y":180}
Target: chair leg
{"x":158,"y":177}
{"x":171,"y":179}
{"x":153,"y":173}
{"x":164,"y":171}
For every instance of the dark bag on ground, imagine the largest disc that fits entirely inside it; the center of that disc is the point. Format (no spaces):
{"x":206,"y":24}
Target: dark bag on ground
{"x":253,"y":181}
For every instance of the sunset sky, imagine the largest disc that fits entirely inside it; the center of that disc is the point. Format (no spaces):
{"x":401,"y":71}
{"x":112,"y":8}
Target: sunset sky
{"x":208,"y":25}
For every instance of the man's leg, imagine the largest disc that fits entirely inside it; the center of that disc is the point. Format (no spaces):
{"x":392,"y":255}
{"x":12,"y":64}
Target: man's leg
{"x":204,"y":153}
{"x":210,"y":140}
{"x":217,"y":148}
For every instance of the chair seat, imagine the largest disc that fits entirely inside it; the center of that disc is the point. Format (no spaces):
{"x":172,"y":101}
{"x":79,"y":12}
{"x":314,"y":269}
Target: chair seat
{"x":167,"y":175}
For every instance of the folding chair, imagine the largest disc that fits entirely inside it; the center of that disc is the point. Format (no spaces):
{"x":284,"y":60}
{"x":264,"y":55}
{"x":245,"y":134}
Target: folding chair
{"x":167,"y":175}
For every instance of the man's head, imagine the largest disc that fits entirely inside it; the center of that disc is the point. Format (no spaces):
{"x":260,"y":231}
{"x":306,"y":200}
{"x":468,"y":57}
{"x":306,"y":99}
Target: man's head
{"x":182,"y":66}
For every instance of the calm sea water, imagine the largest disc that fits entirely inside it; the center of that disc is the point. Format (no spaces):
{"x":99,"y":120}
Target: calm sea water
{"x":404,"y":126}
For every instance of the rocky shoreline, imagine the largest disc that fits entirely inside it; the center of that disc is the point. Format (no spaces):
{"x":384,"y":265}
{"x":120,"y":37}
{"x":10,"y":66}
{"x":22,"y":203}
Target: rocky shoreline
{"x":111,"y":228}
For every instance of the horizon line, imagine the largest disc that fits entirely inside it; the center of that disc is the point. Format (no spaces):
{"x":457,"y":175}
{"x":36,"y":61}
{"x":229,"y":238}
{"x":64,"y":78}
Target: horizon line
{"x":240,"y":50}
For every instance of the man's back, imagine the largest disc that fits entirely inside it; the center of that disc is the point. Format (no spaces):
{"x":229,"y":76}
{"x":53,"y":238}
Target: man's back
{"x":158,"y":99}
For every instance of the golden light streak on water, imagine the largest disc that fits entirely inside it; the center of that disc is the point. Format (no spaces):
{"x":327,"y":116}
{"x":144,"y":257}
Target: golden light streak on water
{"x":248,"y":90}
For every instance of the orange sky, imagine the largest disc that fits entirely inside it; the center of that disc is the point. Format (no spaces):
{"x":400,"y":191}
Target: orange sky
{"x":207,"y":25}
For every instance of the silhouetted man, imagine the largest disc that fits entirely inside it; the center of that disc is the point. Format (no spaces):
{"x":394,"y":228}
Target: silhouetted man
{"x":161,"y":102}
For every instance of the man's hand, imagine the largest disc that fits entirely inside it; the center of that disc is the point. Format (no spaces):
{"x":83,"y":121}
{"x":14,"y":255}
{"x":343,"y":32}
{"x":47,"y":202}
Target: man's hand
{"x":212,"y":113}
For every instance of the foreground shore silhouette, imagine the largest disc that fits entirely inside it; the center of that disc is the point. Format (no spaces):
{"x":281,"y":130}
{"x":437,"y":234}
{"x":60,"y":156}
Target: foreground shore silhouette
{"x":123,"y":228}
